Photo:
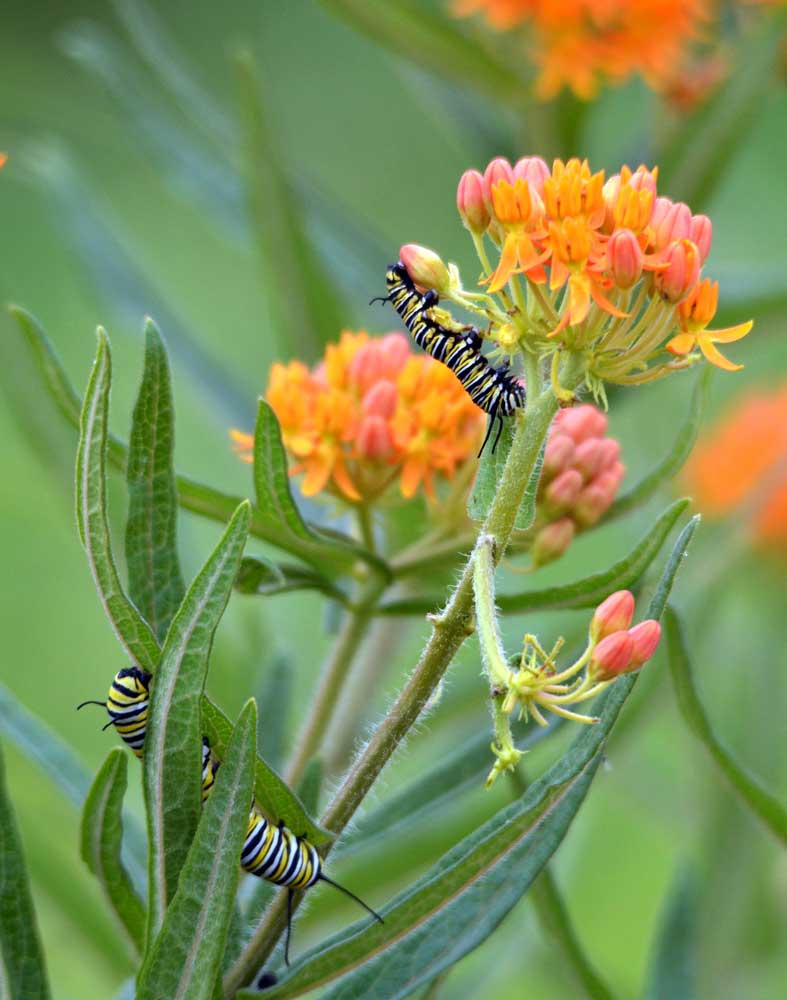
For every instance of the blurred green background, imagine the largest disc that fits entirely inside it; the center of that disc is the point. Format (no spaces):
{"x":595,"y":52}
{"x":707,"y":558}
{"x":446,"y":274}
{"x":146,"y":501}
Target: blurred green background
{"x":123,"y":197}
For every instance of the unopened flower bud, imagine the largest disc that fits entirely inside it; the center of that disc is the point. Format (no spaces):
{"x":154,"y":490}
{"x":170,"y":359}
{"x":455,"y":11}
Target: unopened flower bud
{"x":670,"y":221}
{"x":534,"y":170}
{"x":395,"y":349}
{"x":644,"y":179}
{"x":425,"y":267}
{"x":610,"y":452}
{"x":646,"y":637}
{"x":470,"y":202}
{"x":380,"y":400}
{"x":558,"y":455}
{"x":701,"y":234}
{"x":552,"y":541}
{"x":581,"y":422}
{"x":625,"y":258}
{"x":682,"y":272}
{"x":611,"y":657}
{"x":562,"y":492}
{"x":590,"y":505}
{"x":498,"y":169}
{"x":588,"y":458}
{"x":374,"y":438}
{"x":612,"y":615}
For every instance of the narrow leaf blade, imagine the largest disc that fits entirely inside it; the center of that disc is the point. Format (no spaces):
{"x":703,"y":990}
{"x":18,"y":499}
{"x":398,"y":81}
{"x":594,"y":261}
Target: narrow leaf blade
{"x":101,"y":840}
{"x":131,"y":629}
{"x":22,"y":972}
{"x":762,"y":803}
{"x":172,"y":761}
{"x":673,"y":967}
{"x":155,"y":583}
{"x":186,"y":956}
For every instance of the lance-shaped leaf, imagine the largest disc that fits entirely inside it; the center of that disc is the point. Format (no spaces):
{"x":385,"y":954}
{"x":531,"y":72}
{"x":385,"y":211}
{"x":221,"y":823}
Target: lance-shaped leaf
{"x":305,"y":306}
{"x":466,"y":894}
{"x":433,"y":42}
{"x":185,"y":959}
{"x":585,"y":593}
{"x":102,"y":836}
{"x":173,"y":742}
{"x":262,"y":576}
{"x":65,"y":770}
{"x":764,"y":805}
{"x":131,"y":629}
{"x":340,"y":550}
{"x":673,"y":462}
{"x":155,"y":584}
{"x":273,"y":797}
{"x":22,"y":972}
{"x":673,"y":970}
{"x":490,"y":469}
{"x":527,"y":509}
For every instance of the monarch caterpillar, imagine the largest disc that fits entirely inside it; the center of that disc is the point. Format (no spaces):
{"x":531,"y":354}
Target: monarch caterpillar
{"x":495,"y":390}
{"x":270,"y":852}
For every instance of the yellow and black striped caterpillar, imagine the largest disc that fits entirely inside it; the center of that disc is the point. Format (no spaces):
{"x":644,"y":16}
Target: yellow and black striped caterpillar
{"x":495,"y":390}
{"x":271,"y":852}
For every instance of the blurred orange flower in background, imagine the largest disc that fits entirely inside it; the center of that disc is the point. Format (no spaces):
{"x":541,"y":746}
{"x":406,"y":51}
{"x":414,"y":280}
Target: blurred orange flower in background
{"x":369,"y":414}
{"x":582,"y":44}
{"x":741,"y":465}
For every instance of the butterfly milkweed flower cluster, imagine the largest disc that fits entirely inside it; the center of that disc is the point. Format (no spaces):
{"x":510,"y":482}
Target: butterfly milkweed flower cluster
{"x":582,"y":44}
{"x":370,"y":415}
{"x":605,"y":267}
{"x":740,"y":468}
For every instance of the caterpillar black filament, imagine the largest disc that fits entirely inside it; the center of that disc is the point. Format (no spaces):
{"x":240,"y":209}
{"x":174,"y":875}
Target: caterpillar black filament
{"x":495,"y":390}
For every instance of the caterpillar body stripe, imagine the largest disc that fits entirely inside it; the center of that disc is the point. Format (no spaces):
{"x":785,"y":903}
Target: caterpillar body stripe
{"x":495,"y":390}
{"x":269,"y":851}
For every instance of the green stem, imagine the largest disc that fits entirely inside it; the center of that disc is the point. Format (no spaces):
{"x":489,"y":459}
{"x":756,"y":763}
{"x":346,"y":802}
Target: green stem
{"x":492,"y":653}
{"x":449,"y":630}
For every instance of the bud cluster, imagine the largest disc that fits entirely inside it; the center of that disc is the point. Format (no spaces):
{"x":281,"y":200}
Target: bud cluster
{"x":580,"y":478}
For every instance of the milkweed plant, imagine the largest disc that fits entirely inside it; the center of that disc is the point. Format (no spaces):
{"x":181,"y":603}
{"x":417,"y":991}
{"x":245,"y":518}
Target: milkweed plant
{"x":453,"y":454}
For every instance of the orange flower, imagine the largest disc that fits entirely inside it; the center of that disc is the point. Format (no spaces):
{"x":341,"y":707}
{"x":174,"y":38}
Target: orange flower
{"x":370,"y":412}
{"x":517,"y":210}
{"x":583,"y":43}
{"x":742,"y":462}
{"x":694,"y":314}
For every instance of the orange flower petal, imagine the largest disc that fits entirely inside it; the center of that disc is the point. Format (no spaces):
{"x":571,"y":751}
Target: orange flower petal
{"x":714,"y":355}
{"x":682,"y":343}
{"x":730,"y":333}
{"x":504,"y":270}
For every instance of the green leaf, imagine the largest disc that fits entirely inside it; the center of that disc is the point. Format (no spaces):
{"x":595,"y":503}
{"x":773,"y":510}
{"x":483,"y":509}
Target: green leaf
{"x":310,"y":784}
{"x":185,"y":959}
{"x":22,"y":973}
{"x":306,"y":308}
{"x":673,"y":461}
{"x":262,"y":576}
{"x":762,"y":803}
{"x":341,"y":551}
{"x":466,"y":894}
{"x":698,"y":154}
{"x":273,"y":797}
{"x":155,"y":584}
{"x":131,"y":629}
{"x":102,"y":836}
{"x":464,"y":769}
{"x":434,"y":43}
{"x":584,"y":593}
{"x":527,"y":509}
{"x":673,"y":965}
{"x":490,"y":469}
{"x":276,"y":694}
{"x":173,"y":741}
{"x":64,"y":769}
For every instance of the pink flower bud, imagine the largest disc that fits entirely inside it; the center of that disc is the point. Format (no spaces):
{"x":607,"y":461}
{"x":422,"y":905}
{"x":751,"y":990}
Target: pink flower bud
{"x":380,"y":400}
{"x":395,"y":350}
{"x":701,"y":234}
{"x":374,"y":439}
{"x":563,"y":491}
{"x":558,"y":455}
{"x":644,"y":179}
{"x":682,"y":273}
{"x":590,"y":505}
{"x":612,"y":615}
{"x":581,"y":422}
{"x":470,"y":202}
{"x":588,"y":458}
{"x":611,"y":657}
{"x":498,"y":169}
{"x":625,"y":258}
{"x":646,"y":637}
{"x":610,"y":193}
{"x":534,"y":170}
{"x":610,"y":452}
{"x":425,"y":267}
{"x":670,"y":221}
{"x":552,"y":541}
